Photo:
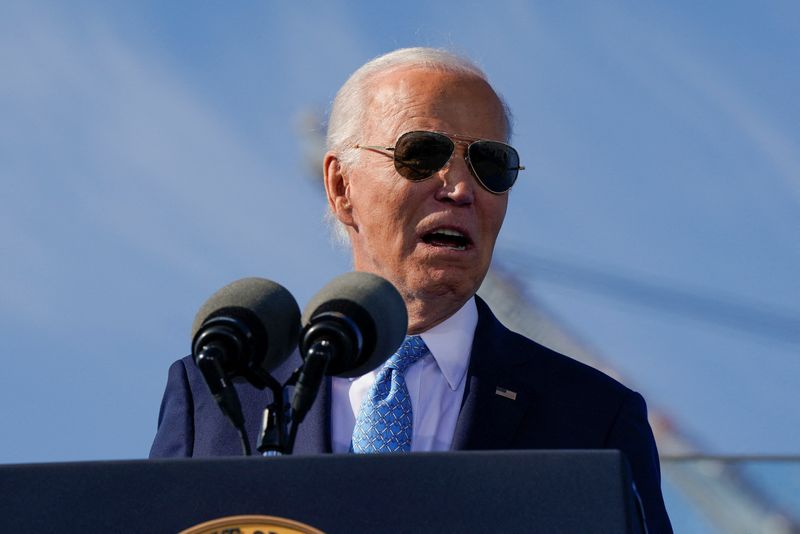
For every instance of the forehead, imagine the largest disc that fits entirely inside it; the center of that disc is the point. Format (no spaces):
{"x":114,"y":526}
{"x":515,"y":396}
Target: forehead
{"x":426,"y":99}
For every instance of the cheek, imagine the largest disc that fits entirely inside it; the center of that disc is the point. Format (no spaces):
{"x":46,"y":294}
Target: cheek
{"x":384,"y":215}
{"x":494,"y":215}
{"x":394,"y":208}
{"x":500,"y":218}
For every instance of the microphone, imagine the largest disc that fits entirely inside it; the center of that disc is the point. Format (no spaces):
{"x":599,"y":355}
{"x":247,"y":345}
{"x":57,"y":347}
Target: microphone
{"x":351,"y":327}
{"x":247,"y":328}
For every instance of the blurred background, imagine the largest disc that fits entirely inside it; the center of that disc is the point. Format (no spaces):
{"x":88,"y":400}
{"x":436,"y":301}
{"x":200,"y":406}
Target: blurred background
{"x":151,"y":152}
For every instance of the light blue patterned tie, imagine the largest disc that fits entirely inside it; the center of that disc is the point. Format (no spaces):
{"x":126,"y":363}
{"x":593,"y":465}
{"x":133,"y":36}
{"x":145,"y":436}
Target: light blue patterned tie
{"x":385,"y":420}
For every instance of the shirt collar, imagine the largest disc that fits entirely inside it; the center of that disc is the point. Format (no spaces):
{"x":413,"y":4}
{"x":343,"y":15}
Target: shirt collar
{"x":450,"y":342}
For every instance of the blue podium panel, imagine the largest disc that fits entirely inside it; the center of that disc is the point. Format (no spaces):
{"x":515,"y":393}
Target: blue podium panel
{"x":514,"y":491}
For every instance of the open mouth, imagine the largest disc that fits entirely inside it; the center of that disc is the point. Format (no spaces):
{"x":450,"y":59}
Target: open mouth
{"x":447,"y":238}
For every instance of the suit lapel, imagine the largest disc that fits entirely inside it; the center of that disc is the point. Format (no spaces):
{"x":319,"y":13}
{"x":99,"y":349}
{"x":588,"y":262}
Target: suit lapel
{"x":495,"y":398}
{"x":314,"y":433}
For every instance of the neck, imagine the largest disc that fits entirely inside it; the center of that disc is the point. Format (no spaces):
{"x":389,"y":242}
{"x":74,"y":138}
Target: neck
{"x":424,"y":314}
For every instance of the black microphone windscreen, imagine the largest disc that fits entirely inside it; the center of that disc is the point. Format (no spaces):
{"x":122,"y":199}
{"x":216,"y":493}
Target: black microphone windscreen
{"x":375,"y":306}
{"x":267,"y":307}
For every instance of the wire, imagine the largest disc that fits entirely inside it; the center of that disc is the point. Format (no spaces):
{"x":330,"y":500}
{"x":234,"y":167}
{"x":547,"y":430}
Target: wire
{"x":292,"y":435}
{"x":245,"y":440}
{"x":665,"y":296}
{"x":730,"y":458}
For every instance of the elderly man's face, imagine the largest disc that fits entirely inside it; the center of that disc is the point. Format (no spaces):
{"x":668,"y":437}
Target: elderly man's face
{"x":434,"y":238}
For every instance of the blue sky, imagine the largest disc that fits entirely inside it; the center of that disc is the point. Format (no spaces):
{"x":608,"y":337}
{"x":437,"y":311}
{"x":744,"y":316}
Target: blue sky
{"x":151,"y":153}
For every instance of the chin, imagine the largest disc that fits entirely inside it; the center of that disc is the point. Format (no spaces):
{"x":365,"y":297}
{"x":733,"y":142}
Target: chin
{"x":451,"y":281}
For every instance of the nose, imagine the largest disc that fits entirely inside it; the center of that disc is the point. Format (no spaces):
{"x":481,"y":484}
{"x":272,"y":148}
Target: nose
{"x":458,"y":184}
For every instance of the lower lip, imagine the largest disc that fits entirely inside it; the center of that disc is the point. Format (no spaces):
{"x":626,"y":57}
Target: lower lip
{"x":449,"y":250}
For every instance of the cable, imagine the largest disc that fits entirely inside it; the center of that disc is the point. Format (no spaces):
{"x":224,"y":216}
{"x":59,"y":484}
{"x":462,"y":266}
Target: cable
{"x":245,"y":440}
{"x":666,"y":296}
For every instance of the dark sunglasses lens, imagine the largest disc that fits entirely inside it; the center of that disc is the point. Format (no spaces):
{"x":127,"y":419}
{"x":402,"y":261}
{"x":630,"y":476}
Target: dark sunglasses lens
{"x":418,"y":155}
{"x":495,"y":164}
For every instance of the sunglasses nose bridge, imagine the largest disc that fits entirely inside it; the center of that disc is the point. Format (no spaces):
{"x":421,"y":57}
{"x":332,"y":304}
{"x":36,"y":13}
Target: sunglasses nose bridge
{"x":464,"y":146}
{"x":457,"y":174}
{"x":453,"y":155}
{"x":460,"y":150}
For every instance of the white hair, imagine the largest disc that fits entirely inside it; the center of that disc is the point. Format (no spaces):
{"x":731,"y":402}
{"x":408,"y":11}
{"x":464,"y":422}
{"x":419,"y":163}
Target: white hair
{"x":349,"y":110}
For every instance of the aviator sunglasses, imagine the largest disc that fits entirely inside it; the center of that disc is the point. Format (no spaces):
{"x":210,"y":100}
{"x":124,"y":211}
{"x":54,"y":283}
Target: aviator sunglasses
{"x":421,"y":154}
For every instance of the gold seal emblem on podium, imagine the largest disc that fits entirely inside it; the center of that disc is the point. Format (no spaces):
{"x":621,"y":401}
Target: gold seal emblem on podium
{"x":251,"y":524}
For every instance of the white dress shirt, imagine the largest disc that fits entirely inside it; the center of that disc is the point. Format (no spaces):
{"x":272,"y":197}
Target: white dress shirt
{"x":435,"y":383}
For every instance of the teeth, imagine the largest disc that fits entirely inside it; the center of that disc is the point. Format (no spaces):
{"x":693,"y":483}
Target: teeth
{"x":445,"y":231}
{"x":447,"y":238}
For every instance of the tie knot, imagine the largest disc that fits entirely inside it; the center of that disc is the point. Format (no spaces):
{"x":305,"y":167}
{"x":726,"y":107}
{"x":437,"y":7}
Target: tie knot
{"x":412,"y":349}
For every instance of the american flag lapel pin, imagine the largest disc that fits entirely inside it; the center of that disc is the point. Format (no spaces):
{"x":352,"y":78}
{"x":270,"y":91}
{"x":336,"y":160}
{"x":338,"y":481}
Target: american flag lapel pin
{"x":507,"y":393}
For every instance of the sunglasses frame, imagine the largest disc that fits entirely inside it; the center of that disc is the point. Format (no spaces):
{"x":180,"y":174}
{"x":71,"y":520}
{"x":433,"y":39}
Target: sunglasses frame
{"x":455,"y":139}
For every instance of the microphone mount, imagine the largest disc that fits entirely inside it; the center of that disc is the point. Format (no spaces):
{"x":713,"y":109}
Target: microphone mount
{"x":329,"y":337}
{"x":216,"y":349}
{"x":239,"y":345}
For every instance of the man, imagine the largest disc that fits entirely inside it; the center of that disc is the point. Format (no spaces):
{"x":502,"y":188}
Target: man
{"x":417,"y":176}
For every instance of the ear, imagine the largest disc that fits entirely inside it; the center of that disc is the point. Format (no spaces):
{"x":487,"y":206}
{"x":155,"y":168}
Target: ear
{"x":337,"y":189}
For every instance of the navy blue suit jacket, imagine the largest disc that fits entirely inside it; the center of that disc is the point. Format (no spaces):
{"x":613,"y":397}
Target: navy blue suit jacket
{"x":560,"y":404}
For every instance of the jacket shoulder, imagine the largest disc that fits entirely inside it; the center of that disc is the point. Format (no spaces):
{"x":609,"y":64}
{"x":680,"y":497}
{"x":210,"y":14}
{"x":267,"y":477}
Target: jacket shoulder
{"x":552,"y":370}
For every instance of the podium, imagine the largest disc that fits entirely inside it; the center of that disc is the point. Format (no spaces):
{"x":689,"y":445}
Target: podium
{"x":507,"y":491}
